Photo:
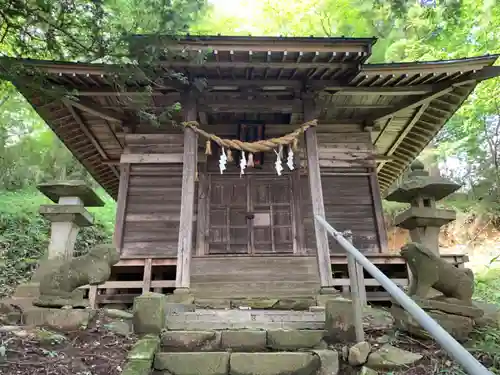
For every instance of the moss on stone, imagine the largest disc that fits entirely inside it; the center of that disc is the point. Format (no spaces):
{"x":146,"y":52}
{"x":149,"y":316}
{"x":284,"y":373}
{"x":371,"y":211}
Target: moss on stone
{"x":145,"y":348}
{"x":137,"y":367}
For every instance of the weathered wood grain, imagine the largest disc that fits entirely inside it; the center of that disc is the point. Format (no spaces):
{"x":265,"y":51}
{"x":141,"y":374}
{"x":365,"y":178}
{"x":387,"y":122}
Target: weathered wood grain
{"x":153,"y":211}
{"x":316,"y":194}
{"x":254,"y":276}
{"x":348,"y":206}
{"x":121,"y":206}
{"x":184,"y":249}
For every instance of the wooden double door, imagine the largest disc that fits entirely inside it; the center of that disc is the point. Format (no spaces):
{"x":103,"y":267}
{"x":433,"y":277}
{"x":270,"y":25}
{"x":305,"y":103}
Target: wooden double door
{"x":252,"y":214}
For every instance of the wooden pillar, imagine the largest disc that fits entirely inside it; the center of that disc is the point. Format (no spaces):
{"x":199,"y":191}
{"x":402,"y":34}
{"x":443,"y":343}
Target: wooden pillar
{"x":121,"y":205}
{"x":202,"y":213}
{"x":184,"y":249}
{"x":378,"y":210}
{"x":318,"y":207}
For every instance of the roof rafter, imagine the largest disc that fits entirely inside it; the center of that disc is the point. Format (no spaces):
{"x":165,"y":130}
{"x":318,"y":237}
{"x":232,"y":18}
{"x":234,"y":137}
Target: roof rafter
{"x":91,"y":107}
{"x":89,"y":135}
{"x":405,"y":131}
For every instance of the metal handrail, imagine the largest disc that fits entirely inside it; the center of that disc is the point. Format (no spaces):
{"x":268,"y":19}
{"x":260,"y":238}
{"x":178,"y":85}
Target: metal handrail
{"x":454,"y":349}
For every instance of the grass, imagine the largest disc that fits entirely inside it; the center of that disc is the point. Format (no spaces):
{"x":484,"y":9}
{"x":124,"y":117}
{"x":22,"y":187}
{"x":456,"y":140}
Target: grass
{"x":486,"y":343}
{"x":27,"y":202}
{"x":488,"y":286}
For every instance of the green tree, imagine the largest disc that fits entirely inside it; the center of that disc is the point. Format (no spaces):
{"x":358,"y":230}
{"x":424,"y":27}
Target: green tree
{"x":71,"y":30}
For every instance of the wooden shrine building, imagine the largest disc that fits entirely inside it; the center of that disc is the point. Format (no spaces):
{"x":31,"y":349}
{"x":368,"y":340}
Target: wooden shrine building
{"x":180,"y":223}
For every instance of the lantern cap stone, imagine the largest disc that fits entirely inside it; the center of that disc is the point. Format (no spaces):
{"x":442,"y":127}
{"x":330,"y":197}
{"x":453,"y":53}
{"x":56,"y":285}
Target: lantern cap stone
{"x":417,"y":165}
{"x":420,"y":184}
{"x":54,"y":190}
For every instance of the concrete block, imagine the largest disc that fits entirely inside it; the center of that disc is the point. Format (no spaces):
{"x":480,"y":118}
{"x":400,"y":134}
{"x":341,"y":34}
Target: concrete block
{"x":294,"y":339}
{"x":280,"y":363}
{"x":197,"y":363}
{"x":339,"y":320}
{"x":190,"y":340}
{"x":61,"y":319}
{"x":244,"y":340}
{"x":149,"y":313}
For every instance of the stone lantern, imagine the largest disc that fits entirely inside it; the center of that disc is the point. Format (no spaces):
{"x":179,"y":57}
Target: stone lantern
{"x":68,"y":215}
{"x":423,"y":219}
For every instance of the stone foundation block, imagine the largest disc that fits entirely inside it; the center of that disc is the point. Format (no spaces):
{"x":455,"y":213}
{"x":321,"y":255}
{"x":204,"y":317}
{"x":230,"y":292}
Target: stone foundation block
{"x":254,"y":303}
{"x":118,"y":314}
{"x":182,"y":296}
{"x":149,"y":313}
{"x":27,"y":290}
{"x":294,"y":339}
{"x":191,"y":340}
{"x":460,"y":327}
{"x":281,"y":363}
{"x":137,"y":367}
{"x":212,"y":303}
{"x":200,"y":363}
{"x":339,"y":320}
{"x":10,"y":314}
{"x":389,"y":357}
{"x":145,"y":349}
{"x":329,"y":362}
{"x":297,"y":304}
{"x":173,"y":308}
{"x":322,"y":299}
{"x":245,"y":340}
{"x":61,"y":319}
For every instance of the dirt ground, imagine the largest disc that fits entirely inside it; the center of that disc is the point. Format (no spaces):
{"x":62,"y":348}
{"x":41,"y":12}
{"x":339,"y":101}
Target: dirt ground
{"x":95,"y":351}
{"x":435,"y":361}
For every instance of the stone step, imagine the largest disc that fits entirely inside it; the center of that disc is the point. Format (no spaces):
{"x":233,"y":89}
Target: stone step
{"x":259,"y":363}
{"x":211,"y":319}
{"x":245,"y":319}
{"x":242,"y":340}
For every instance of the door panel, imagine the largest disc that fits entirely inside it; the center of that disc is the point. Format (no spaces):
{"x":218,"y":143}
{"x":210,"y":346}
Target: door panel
{"x":270,"y":200}
{"x":228,"y":227}
{"x":250,"y":215}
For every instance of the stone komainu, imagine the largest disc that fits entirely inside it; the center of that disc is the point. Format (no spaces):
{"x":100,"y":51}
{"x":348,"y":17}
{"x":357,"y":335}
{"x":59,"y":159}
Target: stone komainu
{"x":430,"y":271}
{"x":59,"y":286}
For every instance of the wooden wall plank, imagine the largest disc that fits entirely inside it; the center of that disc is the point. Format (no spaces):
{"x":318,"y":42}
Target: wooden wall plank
{"x":151,"y":158}
{"x":247,"y":276}
{"x":348,"y":205}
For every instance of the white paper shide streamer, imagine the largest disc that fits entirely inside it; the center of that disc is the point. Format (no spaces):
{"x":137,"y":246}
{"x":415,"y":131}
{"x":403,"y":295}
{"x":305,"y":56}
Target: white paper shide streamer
{"x":289,"y":160}
{"x":243,"y":163}
{"x":277,"y":163}
{"x":222,"y":161}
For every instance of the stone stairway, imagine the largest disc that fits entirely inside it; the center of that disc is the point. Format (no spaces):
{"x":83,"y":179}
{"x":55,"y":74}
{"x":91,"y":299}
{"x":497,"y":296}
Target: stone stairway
{"x":245,"y":342}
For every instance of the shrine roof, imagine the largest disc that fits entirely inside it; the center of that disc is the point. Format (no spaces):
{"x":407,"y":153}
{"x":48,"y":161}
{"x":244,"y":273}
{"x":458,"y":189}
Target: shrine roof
{"x":263,"y":78}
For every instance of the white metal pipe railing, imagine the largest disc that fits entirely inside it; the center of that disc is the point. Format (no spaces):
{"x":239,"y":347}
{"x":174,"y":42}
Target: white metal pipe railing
{"x":454,"y":349}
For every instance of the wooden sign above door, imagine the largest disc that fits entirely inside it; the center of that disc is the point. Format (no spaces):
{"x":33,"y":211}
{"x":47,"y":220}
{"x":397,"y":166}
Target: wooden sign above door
{"x":252,"y":132}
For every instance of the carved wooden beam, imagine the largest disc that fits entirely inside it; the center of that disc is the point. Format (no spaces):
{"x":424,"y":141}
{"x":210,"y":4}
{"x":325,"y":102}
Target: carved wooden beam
{"x":258,"y":64}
